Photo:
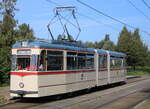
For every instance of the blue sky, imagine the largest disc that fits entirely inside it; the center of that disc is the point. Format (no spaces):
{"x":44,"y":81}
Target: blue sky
{"x":38,"y":13}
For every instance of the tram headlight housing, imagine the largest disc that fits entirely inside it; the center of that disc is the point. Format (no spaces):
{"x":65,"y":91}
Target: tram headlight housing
{"x":21,"y":85}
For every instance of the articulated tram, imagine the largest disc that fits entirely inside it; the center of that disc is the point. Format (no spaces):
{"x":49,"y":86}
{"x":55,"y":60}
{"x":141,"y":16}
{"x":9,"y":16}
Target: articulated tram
{"x":43,"y":68}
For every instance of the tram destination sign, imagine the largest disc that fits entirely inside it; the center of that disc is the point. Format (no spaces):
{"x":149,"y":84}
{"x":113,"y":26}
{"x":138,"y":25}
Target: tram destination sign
{"x":23,"y":51}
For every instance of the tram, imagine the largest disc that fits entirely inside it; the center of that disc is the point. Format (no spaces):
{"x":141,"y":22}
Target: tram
{"x":44,"y":68}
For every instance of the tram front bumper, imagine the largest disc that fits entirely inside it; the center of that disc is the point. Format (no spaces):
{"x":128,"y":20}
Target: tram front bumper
{"x":22,"y":92}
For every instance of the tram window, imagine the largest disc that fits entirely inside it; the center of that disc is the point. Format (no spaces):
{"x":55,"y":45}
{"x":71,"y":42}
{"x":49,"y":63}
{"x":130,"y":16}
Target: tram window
{"x":23,"y":61}
{"x":90,"y":61}
{"x":102,"y":61}
{"x":112,"y":62}
{"x":34,"y":62}
{"x":54,"y":60}
{"x":81,"y":61}
{"x":71,"y":61}
{"x":42,"y":61}
{"x":124,"y":63}
{"x":13,"y":60}
{"x":116,"y":62}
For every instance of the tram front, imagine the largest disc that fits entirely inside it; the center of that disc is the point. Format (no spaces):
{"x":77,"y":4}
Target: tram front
{"x":24,"y":78}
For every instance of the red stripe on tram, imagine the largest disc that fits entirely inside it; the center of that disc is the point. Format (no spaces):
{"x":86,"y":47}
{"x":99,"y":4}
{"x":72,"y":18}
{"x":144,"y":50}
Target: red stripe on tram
{"x":59,"y":72}
{"x":48,"y":73}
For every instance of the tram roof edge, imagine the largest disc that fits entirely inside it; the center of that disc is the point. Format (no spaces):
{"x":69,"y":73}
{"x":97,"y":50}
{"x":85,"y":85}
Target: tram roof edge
{"x":56,"y":45}
{"x":51,"y":45}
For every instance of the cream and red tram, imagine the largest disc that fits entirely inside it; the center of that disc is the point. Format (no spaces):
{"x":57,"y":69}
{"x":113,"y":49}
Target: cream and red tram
{"x":42,"y":68}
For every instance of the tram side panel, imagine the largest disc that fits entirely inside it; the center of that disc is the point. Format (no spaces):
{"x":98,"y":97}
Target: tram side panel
{"x":118,"y":75}
{"x":80,"y":80}
{"x":117,"y":71}
{"x":103,"y":72}
{"x":103,"y":78}
{"x":52,"y":84}
{"x":24,"y":85}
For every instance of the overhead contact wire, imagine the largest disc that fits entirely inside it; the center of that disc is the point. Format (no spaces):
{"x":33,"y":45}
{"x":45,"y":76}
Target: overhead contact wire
{"x":106,"y":15}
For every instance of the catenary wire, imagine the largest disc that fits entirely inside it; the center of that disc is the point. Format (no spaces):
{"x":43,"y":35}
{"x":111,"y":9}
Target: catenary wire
{"x":131,"y":3}
{"x":146,"y":4}
{"x":106,"y":15}
{"x":54,"y":3}
{"x":97,"y":21}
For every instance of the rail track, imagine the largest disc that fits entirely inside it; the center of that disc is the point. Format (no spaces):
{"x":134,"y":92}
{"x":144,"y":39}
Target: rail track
{"x":76,"y":99}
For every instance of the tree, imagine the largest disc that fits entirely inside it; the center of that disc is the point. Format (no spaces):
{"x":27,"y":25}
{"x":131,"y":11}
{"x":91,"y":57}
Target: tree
{"x":132,"y":45}
{"x":140,"y":49}
{"x":107,"y":44}
{"x":124,"y":44}
{"x":8,"y":23}
{"x":7,"y":30}
{"x":9,"y":33}
{"x":24,"y":32}
{"x":90,"y":44}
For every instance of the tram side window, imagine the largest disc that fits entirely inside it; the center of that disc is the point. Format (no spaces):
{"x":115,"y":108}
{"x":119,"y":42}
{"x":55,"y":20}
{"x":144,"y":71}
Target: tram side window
{"x":90,"y":61}
{"x":112,"y":62}
{"x":34,"y":62}
{"x":123,"y":63}
{"x":81,"y":61}
{"x":116,"y":62}
{"x":102,"y":61}
{"x":71,"y":61}
{"x":54,"y":60}
{"x":42,"y":61}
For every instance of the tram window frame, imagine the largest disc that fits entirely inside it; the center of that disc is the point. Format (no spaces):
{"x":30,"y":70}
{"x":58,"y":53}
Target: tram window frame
{"x":72,"y":61}
{"x":124,"y":63}
{"x":116,"y":62}
{"x":13,"y":62}
{"x":102,"y":61}
{"x":34,"y":62}
{"x":42,"y":61}
{"x":81,"y":60}
{"x":58,"y":58}
{"x":89,"y":61}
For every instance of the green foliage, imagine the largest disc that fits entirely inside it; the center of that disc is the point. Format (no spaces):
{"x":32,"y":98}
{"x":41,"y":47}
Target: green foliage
{"x":4,"y":64}
{"x":10,"y":32}
{"x":138,"y":73}
{"x":106,"y":44}
{"x":132,"y":45}
{"x":24,"y":32}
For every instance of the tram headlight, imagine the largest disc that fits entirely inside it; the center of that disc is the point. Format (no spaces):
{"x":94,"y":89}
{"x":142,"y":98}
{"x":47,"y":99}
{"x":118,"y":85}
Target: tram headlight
{"x":21,"y":85}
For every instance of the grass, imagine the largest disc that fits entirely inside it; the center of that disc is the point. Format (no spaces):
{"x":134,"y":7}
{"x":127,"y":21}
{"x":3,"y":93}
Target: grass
{"x":3,"y":100}
{"x":138,"y":73}
{"x":4,"y":85}
{"x":145,"y":105}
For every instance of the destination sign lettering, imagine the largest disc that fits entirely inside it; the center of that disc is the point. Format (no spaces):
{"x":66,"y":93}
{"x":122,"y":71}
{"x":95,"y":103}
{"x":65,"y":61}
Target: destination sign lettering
{"x":24,"y":52}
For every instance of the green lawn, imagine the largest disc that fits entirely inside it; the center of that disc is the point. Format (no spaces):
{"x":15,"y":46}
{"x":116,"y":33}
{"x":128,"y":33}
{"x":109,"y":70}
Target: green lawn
{"x":138,"y":73}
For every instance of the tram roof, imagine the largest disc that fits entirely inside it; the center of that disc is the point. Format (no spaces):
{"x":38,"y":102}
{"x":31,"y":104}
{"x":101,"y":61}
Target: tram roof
{"x":117,"y":53}
{"x":50,"y":45}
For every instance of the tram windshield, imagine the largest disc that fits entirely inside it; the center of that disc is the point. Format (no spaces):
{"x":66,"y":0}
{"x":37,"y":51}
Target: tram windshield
{"x":24,"y":62}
